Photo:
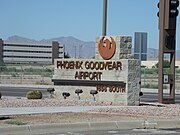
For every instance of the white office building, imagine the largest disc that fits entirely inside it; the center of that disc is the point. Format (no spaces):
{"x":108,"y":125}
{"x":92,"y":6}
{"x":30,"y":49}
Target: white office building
{"x":40,"y":53}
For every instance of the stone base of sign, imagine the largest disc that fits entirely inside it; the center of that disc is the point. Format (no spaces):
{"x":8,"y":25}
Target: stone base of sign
{"x":119,"y":98}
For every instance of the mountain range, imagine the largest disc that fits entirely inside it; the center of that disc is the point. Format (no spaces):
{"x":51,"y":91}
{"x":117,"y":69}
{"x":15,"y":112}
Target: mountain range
{"x":77,"y":48}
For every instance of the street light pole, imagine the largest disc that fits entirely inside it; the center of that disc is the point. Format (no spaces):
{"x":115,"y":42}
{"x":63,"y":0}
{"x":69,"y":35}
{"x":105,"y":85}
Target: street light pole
{"x":75,"y":51}
{"x":104,"y":17}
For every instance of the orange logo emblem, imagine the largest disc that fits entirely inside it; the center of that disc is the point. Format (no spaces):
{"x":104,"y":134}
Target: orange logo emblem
{"x":107,"y":48}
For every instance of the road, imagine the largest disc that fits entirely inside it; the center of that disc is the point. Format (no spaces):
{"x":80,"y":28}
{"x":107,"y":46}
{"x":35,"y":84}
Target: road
{"x":124,"y":132}
{"x":20,"y":91}
{"x":153,"y":97}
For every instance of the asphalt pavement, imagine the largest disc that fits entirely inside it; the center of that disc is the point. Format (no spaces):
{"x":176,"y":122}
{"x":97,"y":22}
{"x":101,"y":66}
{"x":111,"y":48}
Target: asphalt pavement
{"x":21,"y":90}
{"x":149,"y":95}
{"x":124,"y":132}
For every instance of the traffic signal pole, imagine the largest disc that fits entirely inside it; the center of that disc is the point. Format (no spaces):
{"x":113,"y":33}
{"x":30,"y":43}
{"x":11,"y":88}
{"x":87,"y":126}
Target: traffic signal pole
{"x":167,"y":45}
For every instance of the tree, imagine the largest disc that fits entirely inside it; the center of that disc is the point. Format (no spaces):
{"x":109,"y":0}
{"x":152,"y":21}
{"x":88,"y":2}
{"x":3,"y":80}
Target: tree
{"x":2,"y":67}
{"x":166,"y":64}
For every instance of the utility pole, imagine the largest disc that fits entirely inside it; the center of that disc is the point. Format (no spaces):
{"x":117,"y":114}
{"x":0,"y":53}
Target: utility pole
{"x":75,"y":51}
{"x":80,"y":49}
{"x":167,"y":45}
{"x":104,"y":17}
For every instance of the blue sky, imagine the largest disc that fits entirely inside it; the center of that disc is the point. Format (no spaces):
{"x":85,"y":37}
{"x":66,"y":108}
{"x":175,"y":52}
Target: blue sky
{"x":45,"y":19}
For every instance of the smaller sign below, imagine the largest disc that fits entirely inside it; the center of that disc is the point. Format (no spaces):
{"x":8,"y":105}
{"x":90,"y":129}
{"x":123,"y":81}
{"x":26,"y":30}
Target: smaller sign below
{"x":113,"y":88}
{"x":166,"y":78}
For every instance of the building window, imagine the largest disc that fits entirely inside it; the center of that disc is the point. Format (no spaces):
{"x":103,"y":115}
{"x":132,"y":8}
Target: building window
{"x":27,"y":51}
{"x":6,"y":56}
{"x":39,"y":46}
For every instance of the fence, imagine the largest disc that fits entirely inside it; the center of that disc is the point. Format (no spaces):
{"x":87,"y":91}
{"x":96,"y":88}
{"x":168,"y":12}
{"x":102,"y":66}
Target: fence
{"x":42,"y":74}
{"x":149,"y":78}
{"x":27,"y":74}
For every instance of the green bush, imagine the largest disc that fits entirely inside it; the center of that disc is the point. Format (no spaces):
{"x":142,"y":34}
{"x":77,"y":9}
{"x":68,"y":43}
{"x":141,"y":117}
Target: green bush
{"x":34,"y":94}
{"x":177,"y":71}
{"x":166,"y":64}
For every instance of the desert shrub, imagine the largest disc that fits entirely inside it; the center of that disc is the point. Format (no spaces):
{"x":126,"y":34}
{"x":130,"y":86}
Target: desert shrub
{"x":153,"y":86}
{"x":149,"y":71}
{"x":146,"y":86}
{"x":16,"y":123}
{"x":34,"y":94}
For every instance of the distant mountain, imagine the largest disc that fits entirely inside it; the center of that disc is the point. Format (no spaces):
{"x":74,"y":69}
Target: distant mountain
{"x":152,"y":53}
{"x":74,"y":47}
{"x":78,"y":48}
{"x":19,"y":39}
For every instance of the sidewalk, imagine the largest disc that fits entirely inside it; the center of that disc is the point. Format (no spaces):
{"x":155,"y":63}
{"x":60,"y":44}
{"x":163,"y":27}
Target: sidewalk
{"x":39,"y":110}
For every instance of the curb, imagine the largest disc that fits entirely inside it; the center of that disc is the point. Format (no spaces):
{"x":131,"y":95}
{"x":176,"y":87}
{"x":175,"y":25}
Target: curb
{"x":65,"y":127}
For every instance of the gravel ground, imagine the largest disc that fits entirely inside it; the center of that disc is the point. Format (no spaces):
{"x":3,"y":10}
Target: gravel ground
{"x":171,"y":111}
{"x":68,"y":117}
{"x":23,"y":102}
{"x":166,"y":112}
